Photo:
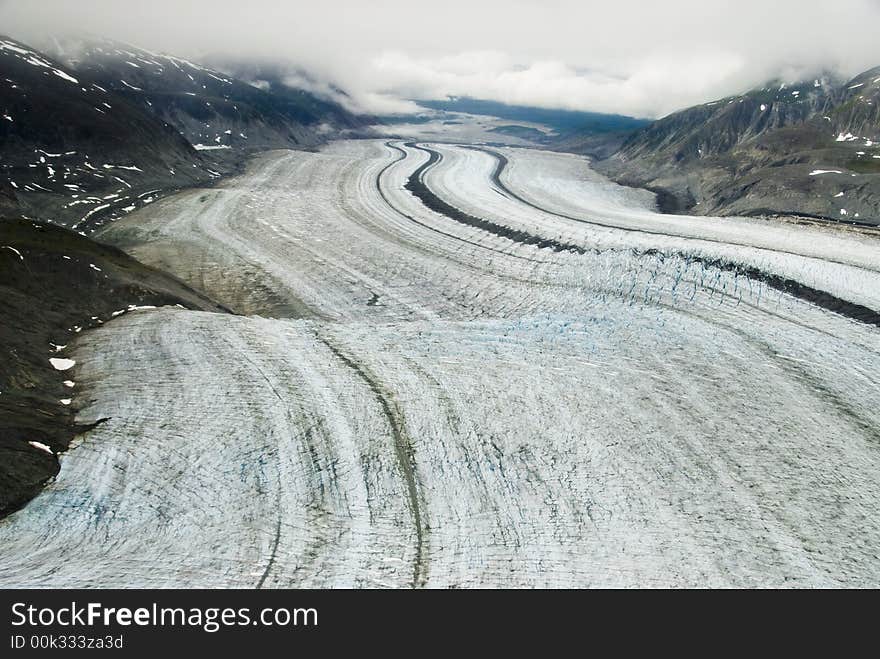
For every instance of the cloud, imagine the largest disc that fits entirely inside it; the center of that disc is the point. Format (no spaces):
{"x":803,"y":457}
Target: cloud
{"x":646,"y":90}
{"x":627,"y":56}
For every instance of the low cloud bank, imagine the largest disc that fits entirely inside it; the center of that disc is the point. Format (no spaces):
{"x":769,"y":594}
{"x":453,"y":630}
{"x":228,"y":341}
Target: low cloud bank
{"x":628,"y":57}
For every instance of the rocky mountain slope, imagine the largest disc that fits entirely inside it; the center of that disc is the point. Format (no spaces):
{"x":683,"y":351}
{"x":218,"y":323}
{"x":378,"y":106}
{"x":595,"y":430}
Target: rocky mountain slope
{"x":99,"y":128}
{"x":54,"y":283}
{"x":214,"y":110}
{"x":809,"y":149}
{"x":72,"y":149}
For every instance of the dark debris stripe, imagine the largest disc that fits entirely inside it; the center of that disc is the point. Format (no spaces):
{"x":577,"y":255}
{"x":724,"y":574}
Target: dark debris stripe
{"x":416,"y":185}
{"x":815,"y":296}
{"x":409,"y":217}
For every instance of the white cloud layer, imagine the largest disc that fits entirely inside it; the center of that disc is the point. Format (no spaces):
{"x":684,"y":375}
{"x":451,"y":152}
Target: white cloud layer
{"x":639,"y":58}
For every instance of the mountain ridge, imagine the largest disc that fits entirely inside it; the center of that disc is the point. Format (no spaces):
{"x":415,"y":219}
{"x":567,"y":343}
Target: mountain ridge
{"x":99,"y":128}
{"x":73,"y":149}
{"x":210,"y":107}
{"x":808,"y":149}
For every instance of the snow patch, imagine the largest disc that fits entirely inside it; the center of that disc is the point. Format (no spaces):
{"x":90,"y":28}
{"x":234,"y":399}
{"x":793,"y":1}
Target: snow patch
{"x":42,"y":447}
{"x":62,"y":364}
{"x":210,"y":147}
{"x":12,"y":249}
{"x":132,"y":307}
{"x":63,"y":75}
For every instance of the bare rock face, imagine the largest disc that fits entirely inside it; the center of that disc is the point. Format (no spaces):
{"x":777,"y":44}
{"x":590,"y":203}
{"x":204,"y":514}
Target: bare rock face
{"x":809,"y":149}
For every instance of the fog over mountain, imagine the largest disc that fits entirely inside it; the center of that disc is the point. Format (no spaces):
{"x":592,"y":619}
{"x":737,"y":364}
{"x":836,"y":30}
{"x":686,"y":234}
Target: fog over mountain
{"x":625,"y":57}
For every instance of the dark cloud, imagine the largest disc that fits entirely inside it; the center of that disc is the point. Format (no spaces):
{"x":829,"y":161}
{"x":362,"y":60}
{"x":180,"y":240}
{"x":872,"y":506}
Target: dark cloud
{"x":640,"y":58}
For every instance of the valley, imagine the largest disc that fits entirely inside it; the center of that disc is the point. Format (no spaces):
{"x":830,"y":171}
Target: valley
{"x":461,"y":365}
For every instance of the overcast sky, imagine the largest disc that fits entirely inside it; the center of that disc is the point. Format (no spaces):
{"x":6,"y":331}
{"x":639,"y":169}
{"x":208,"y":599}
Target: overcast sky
{"x":638,"y":58}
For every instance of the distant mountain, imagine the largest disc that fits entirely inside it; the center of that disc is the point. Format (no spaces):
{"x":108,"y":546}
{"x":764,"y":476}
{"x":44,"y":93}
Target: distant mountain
{"x":808,"y":149}
{"x":72,"y":148}
{"x":213,"y":109}
{"x":312,"y":102}
{"x":562,"y":121}
{"x":99,"y":128}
